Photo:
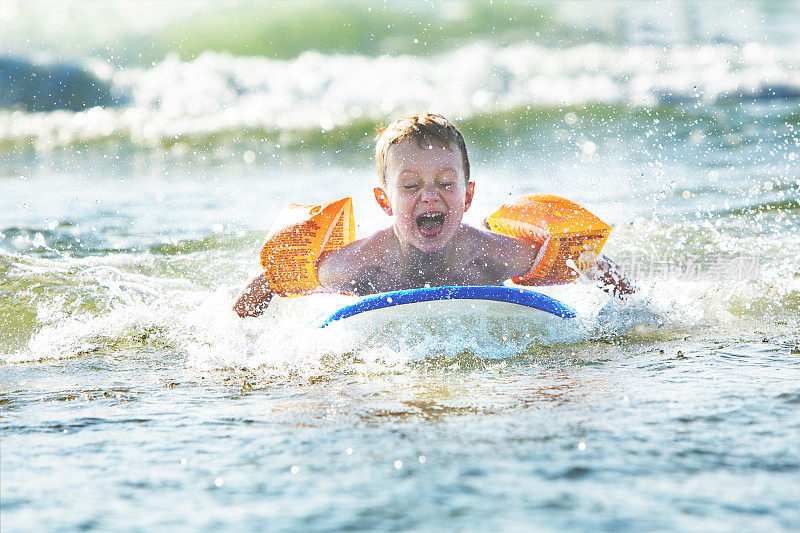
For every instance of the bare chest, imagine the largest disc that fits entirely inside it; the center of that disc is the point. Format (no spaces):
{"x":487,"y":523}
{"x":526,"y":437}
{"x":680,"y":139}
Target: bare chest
{"x":390,"y":277}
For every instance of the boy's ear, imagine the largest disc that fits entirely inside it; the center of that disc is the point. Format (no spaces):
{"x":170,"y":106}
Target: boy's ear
{"x":470,"y":195}
{"x":383,"y":200}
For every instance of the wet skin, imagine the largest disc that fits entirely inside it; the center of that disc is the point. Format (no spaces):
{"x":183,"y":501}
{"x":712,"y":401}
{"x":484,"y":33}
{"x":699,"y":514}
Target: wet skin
{"x":426,"y":194}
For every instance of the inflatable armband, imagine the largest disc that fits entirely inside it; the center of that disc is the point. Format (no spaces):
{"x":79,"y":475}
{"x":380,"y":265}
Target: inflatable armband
{"x":299,"y":237}
{"x":570,"y":236}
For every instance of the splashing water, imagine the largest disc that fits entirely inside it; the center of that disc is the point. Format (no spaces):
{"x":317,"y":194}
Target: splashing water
{"x":132,"y":214}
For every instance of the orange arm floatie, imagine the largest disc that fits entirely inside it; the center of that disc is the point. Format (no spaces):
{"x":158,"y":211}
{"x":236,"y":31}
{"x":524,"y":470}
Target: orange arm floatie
{"x":568,"y":236}
{"x":299,"y":237}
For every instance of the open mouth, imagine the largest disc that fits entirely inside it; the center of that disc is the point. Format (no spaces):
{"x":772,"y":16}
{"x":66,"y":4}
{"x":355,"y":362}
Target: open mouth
{"x":430,"y":224}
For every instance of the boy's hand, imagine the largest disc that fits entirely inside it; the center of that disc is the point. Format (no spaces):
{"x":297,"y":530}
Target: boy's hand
{"x":611,"y":278}
{"x":255,"y":298}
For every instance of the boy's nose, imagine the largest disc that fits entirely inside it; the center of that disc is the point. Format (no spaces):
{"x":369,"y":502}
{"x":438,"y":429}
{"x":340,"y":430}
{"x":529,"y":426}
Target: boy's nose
{"x":430,"y":194}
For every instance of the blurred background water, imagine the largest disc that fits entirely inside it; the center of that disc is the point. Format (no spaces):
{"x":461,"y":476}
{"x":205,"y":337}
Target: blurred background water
{"x":146,"y":148}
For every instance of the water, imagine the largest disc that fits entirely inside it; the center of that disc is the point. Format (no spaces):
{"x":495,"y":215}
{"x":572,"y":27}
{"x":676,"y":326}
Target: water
{"x":127,"y":385}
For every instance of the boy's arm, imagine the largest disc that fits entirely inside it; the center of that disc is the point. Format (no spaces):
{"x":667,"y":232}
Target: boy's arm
{"x":611,"y":278}
{"x":358,"y":267}
{"x":255,"y":298}
{"x":332,"y":272}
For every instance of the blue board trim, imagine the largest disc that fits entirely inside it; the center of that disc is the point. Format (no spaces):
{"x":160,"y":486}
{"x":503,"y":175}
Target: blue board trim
{"x":511,"y":295}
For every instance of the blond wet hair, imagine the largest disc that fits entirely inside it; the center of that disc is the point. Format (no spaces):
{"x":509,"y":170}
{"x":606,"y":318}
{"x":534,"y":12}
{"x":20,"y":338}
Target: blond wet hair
{"x":428,"y":130}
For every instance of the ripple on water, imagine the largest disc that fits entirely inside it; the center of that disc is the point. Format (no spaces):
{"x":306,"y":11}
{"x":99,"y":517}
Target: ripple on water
{"x":74,"y":425}
{"x":791,"y":398}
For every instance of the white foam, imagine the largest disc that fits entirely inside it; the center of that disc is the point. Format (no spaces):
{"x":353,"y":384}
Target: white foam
{"x":114,"y":303}
{"x":218,"y":92}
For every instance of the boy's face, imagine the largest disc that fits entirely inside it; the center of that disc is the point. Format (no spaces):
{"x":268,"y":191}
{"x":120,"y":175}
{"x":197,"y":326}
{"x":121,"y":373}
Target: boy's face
{"x":426,"y":194}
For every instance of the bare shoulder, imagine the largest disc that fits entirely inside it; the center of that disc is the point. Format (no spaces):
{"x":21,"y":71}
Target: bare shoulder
{"x":515,"y":256}
{"x":340,"y":269}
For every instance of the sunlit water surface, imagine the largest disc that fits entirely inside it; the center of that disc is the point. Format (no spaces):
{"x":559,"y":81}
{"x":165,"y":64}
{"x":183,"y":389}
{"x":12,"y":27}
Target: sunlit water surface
{"x":133,"y":399}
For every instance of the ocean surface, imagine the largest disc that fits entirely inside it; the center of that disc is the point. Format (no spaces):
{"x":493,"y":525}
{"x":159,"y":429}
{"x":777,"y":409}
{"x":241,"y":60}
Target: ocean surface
{"x":146,"y":149}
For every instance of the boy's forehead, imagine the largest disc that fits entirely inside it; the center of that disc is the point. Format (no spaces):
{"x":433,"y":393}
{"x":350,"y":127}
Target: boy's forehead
{"x":409,"y":153}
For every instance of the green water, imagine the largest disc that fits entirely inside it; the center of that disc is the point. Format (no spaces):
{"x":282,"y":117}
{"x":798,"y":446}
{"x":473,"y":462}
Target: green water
{"x":132,"y":398}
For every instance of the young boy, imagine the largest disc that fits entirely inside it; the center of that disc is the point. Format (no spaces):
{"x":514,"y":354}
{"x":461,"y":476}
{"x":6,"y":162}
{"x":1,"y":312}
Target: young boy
{"x":425,"y":186}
